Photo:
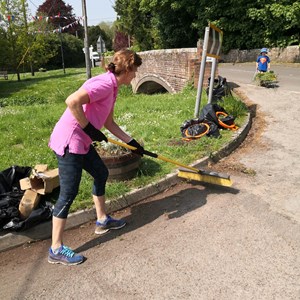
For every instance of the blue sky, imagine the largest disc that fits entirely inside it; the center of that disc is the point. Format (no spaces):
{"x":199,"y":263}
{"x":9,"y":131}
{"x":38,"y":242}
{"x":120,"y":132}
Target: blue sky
{"x":97,"y":10}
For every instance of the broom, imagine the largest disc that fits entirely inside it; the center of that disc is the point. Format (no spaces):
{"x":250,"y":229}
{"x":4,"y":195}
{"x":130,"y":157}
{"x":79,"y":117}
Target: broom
{"x":190,"y":173}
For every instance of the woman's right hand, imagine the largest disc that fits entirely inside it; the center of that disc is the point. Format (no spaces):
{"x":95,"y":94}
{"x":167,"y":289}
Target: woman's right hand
{"x":94,"y":134}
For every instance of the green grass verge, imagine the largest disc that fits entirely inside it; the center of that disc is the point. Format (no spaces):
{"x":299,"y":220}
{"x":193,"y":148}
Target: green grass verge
{"x":29,"y":110}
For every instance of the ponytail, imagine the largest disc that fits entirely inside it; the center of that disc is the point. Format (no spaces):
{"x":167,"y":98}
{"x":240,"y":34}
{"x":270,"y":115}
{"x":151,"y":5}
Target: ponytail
{"x":124,"y":61}
{"x":111,"y":67}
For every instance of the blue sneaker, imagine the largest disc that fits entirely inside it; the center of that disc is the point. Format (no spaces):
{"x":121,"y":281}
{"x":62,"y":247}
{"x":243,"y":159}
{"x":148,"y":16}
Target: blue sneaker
{"x":109,"y":223}
{"x":64,"y":256}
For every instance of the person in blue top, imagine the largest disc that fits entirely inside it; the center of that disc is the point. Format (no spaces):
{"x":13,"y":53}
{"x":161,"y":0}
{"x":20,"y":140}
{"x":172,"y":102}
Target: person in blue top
{"x":263,"y":63}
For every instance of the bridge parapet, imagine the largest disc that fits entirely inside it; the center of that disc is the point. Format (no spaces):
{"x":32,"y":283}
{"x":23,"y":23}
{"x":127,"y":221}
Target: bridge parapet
{"x":168,"y":70}
{"x":170,"y":66}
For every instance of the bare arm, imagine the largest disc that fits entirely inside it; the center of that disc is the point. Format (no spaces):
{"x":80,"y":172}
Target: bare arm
{"x":115,"y":129}
{"x":75,"y":102}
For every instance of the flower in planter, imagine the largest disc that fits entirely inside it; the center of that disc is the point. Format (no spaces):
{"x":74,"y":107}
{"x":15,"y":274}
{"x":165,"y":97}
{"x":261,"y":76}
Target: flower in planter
{"x":122,"y":164}
{"x":108,"y":149}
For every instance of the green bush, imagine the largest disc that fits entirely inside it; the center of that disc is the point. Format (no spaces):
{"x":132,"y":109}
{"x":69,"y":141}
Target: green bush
{"x":73,"y":55}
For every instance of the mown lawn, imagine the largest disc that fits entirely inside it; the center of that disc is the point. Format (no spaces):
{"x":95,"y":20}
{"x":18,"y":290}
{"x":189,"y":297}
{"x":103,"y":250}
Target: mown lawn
{"x":29,"y":110}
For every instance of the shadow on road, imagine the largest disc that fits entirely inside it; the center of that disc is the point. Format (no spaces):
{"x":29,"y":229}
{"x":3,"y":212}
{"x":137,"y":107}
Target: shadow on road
{"x":173,"y":206}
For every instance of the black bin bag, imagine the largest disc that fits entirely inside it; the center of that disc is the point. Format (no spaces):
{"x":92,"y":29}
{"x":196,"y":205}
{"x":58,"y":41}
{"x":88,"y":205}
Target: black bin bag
{"x":10,"y":197}
{"x":220,"y":88}
{"x":10,"y":192}
{"x":41,"y":214}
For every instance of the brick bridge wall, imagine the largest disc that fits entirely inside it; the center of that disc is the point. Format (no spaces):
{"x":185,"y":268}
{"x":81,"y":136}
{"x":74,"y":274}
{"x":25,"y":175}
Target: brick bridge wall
{"x":171,"y":69}
{"x":168,"y":70}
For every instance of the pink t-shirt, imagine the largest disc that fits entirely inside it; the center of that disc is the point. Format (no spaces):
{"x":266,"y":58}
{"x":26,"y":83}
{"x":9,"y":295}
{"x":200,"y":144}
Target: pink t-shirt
{"x":102,"y":91}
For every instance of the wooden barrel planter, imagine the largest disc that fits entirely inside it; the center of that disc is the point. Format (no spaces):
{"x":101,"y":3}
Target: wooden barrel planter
{"x":122,"y":167}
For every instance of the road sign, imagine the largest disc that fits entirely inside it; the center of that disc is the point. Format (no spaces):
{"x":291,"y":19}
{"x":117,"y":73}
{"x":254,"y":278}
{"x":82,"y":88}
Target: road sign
{"x":211,"y":47}
{"x":101,"y":45}
{"x":215,"y":40}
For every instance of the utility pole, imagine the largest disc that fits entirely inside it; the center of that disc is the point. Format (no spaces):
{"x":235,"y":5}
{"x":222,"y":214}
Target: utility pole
{"x":61,"y":50}
{"x":12,"y":40}
{"x":27,"y":36}
{"x":61,"y":45}
{"x":86,"y":42}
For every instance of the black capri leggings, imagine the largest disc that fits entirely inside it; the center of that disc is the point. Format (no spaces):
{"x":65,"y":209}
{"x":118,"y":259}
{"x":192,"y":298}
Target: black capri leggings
{"x":70,"y":170}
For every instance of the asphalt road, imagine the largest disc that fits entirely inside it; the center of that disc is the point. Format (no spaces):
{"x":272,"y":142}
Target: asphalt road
{"x":288,"y":74}
{"x":194,"y":241}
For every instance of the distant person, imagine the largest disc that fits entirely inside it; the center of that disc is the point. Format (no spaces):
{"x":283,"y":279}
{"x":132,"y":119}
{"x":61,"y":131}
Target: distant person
{"x":263,"y":63}
{"x":89,"y":109}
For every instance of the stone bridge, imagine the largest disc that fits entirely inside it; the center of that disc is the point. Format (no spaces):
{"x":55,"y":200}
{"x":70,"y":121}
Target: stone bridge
{"x":168,"y":70}
{"x":165,"y":70}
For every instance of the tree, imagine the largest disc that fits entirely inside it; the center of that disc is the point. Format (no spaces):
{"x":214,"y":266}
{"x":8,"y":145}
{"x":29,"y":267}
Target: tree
{"x":174,"y":22}
{"x":282,"y":18}
{"x":108,"y":33}
{"x":108,"y":29}
{"x":28,"y":46}
{"x":180,"y":23}
{"x":159,"y":24}
{"x":120,"y":41}
{"x":239,"y":30}
{"x":135,"y":21}
{"x":60,"y":15}
{"x":12,"y":31}
{"x":42,"y":49}
{"x":63,"y":22}
{"x":93,"y":33}
{"x":72,"y":47}
{"x":5,"y":49}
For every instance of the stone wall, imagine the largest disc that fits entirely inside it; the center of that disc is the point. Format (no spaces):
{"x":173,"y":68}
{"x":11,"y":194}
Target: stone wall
{"x":290,"y":54}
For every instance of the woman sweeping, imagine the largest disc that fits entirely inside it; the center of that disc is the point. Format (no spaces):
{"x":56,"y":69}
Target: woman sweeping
{"x":89,"y":109}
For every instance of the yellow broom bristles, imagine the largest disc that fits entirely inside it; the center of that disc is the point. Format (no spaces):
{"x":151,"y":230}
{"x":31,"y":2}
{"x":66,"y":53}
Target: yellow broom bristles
{"x":205,"y":178}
